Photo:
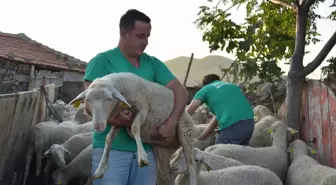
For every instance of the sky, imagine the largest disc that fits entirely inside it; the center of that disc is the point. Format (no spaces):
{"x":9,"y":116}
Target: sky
{"x":84,"y":28}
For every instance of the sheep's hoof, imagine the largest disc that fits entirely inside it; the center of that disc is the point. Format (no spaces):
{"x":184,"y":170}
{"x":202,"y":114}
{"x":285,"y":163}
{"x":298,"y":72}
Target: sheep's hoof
{"x":143,"y":163}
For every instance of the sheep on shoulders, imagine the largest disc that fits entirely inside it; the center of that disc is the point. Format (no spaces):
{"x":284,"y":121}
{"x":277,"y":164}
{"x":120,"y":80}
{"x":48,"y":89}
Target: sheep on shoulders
{"x":305,"y":170}
{"x":223,"y":171}
{"x":263,"y":156}
{"x":152,"y":103}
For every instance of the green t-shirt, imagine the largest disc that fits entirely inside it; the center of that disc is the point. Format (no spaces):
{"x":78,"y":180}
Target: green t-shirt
{"x":113,"y":61}
{"x":226,"y":101}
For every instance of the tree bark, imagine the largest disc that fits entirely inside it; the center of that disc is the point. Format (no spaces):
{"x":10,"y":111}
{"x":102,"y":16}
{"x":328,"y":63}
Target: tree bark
{"x":295,"y":81}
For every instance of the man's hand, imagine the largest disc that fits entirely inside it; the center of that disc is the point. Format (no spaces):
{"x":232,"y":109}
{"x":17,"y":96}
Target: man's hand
{"x":167,"y":129}
{"x":122,"y":119}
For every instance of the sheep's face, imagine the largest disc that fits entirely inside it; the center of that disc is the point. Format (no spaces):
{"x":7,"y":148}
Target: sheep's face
{"x":280,"y":128}
{"x":103,"y":102}
{"x":179,"y":166}
{"x":298,"y":148}
{"x":57,"y":153}
{"x":260,"y":111}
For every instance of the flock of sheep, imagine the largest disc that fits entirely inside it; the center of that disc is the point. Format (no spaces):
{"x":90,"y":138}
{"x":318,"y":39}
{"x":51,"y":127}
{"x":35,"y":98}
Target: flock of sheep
{"x":269,"y":160}
{"x":66,"y":146}
{"x":274,"y":157}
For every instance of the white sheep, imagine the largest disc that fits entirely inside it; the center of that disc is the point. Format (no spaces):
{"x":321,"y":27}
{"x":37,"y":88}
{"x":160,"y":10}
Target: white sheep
{"x":200,"y":144}
{"x":45,"y":134}
{"x":260,"y":138}
{"x":208,"y":141}
{"x":201,"y":115}
{"x":225,"y":171}
{"x":274,"y":157}
{"x":40,"y":141}
{"x":81,"y":116}
{"x":59,"y":155}
{"x":63,"y":153}
{"x":153,"y":103}
{"x":67,"y":129}
{"x":79,"y":167}
{"x":305,"y":170}
{"x":261,"y":111}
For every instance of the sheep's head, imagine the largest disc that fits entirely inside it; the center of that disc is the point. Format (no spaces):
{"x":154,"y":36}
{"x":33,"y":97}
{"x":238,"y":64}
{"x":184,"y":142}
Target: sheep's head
{"x":103,"y":101}
{"x":281,"y":128}
{"x":179,"y":166}
{"x":298,"y":148}
{"x":260,"y":111}
{"x":57,"y":153}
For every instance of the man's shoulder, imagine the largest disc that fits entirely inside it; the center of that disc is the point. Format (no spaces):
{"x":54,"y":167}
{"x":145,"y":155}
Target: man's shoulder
{"x":150,"y":58}
{"x":108,"y":53}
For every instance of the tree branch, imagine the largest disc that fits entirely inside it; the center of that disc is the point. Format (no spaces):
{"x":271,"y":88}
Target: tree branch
{"x":320,"y":57}
{"x":307,"y":4}
{"x":279,"y":2}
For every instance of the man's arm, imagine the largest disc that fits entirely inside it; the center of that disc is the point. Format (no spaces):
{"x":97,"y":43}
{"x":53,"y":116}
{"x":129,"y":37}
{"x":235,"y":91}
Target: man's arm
{"x":166,"y":78}
{"x":180,"y":98}
{"x":211,"y":127}
{"x":195,"y":103}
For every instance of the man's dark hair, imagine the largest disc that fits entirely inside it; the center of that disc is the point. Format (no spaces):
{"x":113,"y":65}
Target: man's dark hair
{"x":127,"y":21}
{"x":208,"y":79}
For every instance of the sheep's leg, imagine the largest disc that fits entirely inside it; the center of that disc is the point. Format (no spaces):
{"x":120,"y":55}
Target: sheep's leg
{"x":28,"y":162}
{"x":99,"y":173}
{"x":39,"y":156}
{"x":135,"y":129}
{"x":46,"y":171}
{"x":186,"y":138}
{"x":162,"y":156}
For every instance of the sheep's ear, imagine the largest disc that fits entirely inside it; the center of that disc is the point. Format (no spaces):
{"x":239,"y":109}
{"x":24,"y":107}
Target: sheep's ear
{"x":76,"y":102}
{"x":118,"y":95}
{"x":312,"y":150}
{"x":46,"y":153}
{"x":269,"y":130}
{"x":256,"y":118}
{"x":290,"y":149}
{"x":67,"y":151}
{"x":292,"y":131}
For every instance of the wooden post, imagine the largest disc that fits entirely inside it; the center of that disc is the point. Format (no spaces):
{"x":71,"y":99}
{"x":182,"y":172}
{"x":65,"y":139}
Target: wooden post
{"x":31,"y":82}
{"x":188,"y":69}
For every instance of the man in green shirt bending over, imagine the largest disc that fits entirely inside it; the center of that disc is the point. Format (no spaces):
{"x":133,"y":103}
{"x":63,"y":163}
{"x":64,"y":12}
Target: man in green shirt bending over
{"x":129,"y":56}
{"x":233,"y":113}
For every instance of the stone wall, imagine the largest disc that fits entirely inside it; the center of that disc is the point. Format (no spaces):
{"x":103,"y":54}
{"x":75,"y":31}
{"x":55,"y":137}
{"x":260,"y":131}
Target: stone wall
{"x":14,"y":76}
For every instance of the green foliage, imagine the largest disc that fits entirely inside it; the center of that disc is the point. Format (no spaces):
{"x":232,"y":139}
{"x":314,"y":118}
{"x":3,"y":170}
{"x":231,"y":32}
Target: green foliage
{"x":266,"y":36}
{"x":330,"y":69}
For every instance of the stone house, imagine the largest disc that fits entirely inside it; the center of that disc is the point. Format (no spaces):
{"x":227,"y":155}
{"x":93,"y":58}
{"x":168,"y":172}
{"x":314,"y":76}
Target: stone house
{"x":25,"y":62}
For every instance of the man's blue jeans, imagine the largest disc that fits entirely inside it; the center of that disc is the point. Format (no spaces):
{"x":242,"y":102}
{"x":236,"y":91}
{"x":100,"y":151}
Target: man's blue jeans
{"x":123,"y":168}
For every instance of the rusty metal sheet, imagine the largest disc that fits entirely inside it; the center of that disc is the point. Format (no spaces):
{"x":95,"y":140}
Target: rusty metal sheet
{"x":324,"y":102}
{"x":332,"y":120}
{"x":315,"y":124}
{"x":304,"y":121}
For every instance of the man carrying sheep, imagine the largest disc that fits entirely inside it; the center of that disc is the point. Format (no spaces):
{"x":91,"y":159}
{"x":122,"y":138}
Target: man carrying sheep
{"x":233,"y":113}
{"x":129,"y":56}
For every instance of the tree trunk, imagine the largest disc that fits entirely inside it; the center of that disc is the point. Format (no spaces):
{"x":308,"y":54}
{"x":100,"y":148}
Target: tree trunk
{"x":294,"y":89}
{"x":295,"y":81}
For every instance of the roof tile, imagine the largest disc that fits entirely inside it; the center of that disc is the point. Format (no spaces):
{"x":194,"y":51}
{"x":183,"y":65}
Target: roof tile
{"x":21,"y":48}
